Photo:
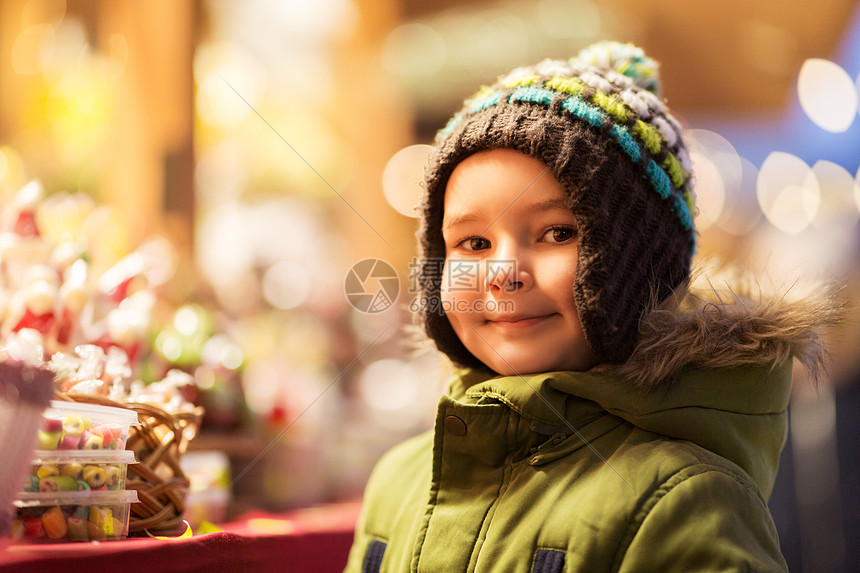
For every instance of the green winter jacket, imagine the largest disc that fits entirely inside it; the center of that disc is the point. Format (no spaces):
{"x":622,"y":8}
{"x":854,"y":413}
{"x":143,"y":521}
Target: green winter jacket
{"x":588,"y":471}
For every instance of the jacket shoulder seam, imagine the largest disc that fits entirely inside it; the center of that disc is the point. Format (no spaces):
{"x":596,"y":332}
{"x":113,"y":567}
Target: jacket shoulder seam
{"x":681,"y":476}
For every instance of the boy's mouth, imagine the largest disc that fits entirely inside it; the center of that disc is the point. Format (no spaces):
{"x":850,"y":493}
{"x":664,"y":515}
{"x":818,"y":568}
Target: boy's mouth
{"x":519,"y":320}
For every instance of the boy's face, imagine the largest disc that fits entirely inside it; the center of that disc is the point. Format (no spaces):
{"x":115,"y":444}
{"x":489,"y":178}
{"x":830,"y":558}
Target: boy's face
{"x":511,"y":246}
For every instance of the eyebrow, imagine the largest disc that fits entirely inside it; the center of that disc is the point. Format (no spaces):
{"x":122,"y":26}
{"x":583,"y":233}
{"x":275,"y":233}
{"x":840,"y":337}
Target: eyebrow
{"x":548,"y":205}
{"x":538,"y":207}
{"x":458,"y":220}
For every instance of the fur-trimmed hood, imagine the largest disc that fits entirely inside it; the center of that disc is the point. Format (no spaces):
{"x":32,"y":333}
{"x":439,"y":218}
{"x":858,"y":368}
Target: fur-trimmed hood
{"x":725,"y":320}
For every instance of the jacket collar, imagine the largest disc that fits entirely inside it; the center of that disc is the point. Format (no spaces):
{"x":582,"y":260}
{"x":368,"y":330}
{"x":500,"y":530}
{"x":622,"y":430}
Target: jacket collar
{"x":536,"y":397}
{"x":739,"y":413}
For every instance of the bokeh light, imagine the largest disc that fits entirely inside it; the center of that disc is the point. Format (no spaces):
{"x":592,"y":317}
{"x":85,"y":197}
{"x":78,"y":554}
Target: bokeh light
{"x":224,"y":256}
{"x":161,"y":258}
{"x":286,"y":285}
{"x":710,"y":190}
{"x":385,"y":385}
{"x":49,"y":12}
{"x":80,"y":107}
{"x":719,"y":173}
{"x":63,"y":216}
{"x":788,"y":192}
{"x":220,"y":350}
{"x":827,"y":95}
{"x":12,"y":171}
{"x":304,"y":21}
{"x":484,"y":38}
{"x":401,"y":393}
{"x":169,"y":345}
{"x":836,"y":213}
{"x":262,"y":386}
{"x":414,"y":50}
{"x":221,"y":172}
{"x":229,"y":84}
{"x":857,"y":189}
{"x":402,"y":177}
{"x":741,"y":212}
{"x":187,"y":320}
{"x":33,"y":49}
{"x":276,"y":384}
{"x":569,"y":19}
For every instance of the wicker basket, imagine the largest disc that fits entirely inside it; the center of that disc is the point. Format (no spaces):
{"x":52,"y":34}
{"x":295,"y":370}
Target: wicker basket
{"x":157,"y":443}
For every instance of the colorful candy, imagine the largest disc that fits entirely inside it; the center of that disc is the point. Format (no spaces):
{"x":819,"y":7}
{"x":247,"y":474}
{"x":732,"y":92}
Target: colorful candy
{"x":70,"y":442}
{"x":78,"y":471}
{"x":33,"y":528}
{"x":90,"y":441}
{"x":31,"y":483}
{"x":95,"y":476}
{"x":54,"y":523}
{"x":72,"y":469}
{"x":113,"y":477}
{"x":73,"y":425}
{"x":58,"y":522}
{"x":47,"y":470}
{"x":80,"y":433}
{"x":50,"y":434}
{"x":49,"y":440}
{"x":101,"y":523}
{"x":78,"y":529}
{"x":58,"y":483}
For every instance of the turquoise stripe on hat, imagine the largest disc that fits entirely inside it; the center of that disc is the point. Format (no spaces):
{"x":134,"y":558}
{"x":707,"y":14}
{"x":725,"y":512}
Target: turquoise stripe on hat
{"x":533,"y":95}
{"x":449,"y":127}
{"x":659,"y":179}
{"x":584,"y":111}
{"x":627,"y":143}
{"x":661,"y":183}
{"x":486,"y":102}
{"x":683,"y":212}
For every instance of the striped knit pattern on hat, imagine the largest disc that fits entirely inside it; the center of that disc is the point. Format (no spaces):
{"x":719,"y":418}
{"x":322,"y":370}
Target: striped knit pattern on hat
{"x":597,"y":123}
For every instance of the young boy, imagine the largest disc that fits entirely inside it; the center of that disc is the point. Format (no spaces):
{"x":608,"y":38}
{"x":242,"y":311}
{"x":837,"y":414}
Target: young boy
{"x":597,"y":423}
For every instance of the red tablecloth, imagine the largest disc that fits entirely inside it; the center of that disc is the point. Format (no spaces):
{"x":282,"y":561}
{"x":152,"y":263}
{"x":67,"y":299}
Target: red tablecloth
{"x":314,"y":539}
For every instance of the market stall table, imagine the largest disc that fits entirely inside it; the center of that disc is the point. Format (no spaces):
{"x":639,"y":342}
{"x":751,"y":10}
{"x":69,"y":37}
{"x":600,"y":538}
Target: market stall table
{"x":314,"y":539}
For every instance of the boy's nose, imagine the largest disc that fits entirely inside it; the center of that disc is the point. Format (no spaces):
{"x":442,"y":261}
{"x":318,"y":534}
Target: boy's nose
{"x":505,"y":276}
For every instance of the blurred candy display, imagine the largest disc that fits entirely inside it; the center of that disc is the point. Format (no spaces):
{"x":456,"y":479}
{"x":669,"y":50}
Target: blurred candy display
{"x":87,"y":312}
{"x":95,"y":315}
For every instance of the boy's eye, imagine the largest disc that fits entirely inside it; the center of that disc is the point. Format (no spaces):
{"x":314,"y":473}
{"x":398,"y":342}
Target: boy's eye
{"x":561,"y":234}
{"x":478,"y":243}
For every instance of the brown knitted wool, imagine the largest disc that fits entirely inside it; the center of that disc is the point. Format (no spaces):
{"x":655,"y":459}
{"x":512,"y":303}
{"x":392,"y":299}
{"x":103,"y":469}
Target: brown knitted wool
{"x":619,"y":156}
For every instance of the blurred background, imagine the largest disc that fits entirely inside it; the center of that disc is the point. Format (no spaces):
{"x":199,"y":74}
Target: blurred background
{"x":261,"y":149}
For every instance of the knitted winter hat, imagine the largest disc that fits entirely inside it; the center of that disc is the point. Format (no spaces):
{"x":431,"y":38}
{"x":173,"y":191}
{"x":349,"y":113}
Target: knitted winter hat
{"x":597,"y":121}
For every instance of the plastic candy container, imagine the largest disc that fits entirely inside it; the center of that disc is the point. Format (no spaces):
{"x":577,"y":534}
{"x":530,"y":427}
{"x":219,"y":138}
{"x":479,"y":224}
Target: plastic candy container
{"x":75,"y":489}
{"x":81,"y":426}
{"x":72,"y":516}
{"x":77,"y":470}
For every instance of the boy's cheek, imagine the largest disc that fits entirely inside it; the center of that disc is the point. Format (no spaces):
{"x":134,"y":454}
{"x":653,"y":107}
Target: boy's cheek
{"x":448,"y":299}
{"x":461,"y":279}
{"x":457,"y":305}
{"x":445,"y":292}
